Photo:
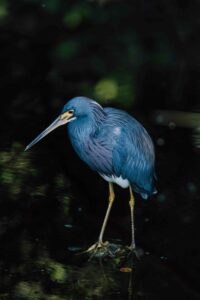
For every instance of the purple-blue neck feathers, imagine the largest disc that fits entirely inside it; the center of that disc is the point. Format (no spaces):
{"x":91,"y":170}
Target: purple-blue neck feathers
{"x":82,"y":130}
{"x":89,"y":120}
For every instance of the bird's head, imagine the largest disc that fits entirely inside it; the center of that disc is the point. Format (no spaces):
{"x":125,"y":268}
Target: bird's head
{"x":76,"y":108}
{"x":80,"y":106}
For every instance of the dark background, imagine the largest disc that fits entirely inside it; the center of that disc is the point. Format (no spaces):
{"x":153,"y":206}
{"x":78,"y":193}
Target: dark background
{"x":141,"y":56}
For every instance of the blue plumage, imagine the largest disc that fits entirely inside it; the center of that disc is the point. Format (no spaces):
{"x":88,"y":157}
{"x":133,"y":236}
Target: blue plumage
{"x":112,"y":143}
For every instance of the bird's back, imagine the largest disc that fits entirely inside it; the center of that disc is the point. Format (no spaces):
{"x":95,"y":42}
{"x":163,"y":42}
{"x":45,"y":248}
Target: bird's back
{"x":115,"y":144}
{"x":131,"y":150}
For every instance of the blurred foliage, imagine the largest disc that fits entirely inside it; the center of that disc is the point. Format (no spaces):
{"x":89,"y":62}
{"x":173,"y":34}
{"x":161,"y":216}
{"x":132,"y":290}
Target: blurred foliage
{"x":17,"y":174}
{"x":115,"y":51}
{"x":196,"y":137}
{"x":77,"y":14}
{"x":51,"y":6}
{"x":20,"y":184}
{"x":28,"y":290}
{"x":66,"y":50}
{"x":3,"y":9}
{"x":14,"y":168}
{"x":106,"y":89}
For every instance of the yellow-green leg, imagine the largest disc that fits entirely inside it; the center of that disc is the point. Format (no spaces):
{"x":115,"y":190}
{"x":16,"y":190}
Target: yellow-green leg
{"x":132,"y":205}
{"x":100,"y":242}
{"x":110,"y":203}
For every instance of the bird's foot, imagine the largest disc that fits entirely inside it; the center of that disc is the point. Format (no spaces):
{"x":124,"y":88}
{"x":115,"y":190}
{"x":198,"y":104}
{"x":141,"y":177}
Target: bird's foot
{"x":99,"y":249}
{"x":136,"y":251}
{"x":103,"y":249}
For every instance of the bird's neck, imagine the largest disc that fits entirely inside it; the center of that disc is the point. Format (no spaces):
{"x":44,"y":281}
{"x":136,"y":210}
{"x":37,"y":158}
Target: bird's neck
{"x":84,"y":128}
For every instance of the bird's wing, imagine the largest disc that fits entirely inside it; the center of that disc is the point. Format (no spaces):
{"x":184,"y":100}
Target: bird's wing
{"x":132,"y":152}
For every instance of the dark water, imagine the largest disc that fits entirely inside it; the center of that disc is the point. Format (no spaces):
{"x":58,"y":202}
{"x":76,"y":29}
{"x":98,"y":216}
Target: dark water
{"x":144,"y":58}
{"x":52,"y":207}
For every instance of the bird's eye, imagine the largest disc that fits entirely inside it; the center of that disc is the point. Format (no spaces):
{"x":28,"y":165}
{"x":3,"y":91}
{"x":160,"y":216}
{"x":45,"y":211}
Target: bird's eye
{"x":71,"y":111}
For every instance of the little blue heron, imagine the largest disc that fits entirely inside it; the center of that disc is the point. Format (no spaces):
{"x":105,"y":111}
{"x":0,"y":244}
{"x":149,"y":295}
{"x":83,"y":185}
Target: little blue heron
{"x":115,"y":145}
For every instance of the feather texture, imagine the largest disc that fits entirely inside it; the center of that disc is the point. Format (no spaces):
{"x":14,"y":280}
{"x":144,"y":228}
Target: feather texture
{"x":113,"y":143}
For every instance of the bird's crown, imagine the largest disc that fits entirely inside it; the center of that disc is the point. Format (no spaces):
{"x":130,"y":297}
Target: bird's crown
{"x":81,"y":106}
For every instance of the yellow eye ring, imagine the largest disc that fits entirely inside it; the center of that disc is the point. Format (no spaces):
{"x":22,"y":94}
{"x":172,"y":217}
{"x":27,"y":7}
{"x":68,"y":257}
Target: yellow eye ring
{"x":71,"y":111}
{"x":68,"y":114}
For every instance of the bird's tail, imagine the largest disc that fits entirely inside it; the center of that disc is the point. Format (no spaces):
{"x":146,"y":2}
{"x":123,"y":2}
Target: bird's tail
{"x":145,"y":194}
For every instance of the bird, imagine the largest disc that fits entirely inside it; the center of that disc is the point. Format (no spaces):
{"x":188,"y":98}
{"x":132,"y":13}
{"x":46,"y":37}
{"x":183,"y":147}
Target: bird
{"x":115,"y":145}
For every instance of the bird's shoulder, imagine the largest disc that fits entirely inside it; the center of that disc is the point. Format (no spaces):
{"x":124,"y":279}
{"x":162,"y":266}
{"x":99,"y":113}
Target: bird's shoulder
{"x":118,"y":117}
{"x":119,"y":126}
{"x":111,"y":128}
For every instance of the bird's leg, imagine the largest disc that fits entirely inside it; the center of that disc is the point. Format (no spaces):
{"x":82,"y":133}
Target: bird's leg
{"x":100,"y":242}
{"x":132,"y":204}
{"x":110,"y":202}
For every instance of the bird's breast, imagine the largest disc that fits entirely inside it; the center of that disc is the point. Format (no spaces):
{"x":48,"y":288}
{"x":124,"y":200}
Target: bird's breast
{"x":124,"y":183}
{"x":94,"y":153}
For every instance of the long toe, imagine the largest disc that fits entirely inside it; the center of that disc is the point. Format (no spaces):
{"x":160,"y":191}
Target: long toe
{"x":98,"y":249}
{"x":136,"y":251}
{"x":105,"y":249}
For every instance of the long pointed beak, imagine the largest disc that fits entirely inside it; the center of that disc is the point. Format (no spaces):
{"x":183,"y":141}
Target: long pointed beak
{"x":58,"y":122}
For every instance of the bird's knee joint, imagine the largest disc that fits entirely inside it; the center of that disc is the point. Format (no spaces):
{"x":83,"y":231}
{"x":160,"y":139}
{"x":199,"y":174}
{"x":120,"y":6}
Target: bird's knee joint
{"x":131,"y":203}
{"x":111,"y":198}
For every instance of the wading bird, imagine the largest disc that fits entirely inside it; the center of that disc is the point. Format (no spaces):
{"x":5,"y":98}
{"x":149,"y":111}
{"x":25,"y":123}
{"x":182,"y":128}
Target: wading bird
{"x":115,"y":145}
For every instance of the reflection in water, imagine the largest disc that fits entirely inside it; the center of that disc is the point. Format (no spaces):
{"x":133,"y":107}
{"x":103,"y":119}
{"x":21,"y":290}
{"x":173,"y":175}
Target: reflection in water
{"x":116,"y":278}
{"x":172,"y":119}
{"x":37,"y":228}
{"x":95,"y":279}
{"x":100,"y":278}
{"x":107,"y":279}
